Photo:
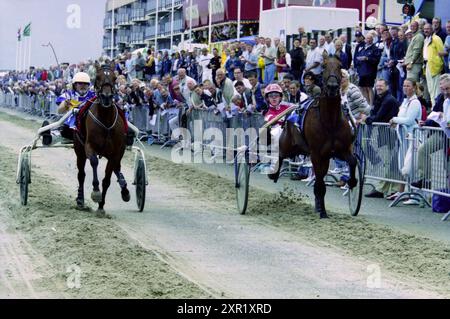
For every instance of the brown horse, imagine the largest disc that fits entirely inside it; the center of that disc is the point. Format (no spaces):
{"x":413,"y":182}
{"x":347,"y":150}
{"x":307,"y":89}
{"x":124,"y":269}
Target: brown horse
{"x":101,"y":133}
{"x":326,"y":135}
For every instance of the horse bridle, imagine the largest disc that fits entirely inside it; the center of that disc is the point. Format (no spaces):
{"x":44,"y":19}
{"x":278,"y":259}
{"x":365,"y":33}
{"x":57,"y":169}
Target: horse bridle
{"x":107,"y":100}
{"x":330,"y":77}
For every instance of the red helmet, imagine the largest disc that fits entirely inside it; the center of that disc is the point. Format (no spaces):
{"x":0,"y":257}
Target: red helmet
{"x":273,"y":88}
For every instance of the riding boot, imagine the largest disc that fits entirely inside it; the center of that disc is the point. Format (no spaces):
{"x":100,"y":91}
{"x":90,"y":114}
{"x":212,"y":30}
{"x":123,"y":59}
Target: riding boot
{"x":130,"y":137}
{"x":55,"y":138}
{"x":46,"y":136}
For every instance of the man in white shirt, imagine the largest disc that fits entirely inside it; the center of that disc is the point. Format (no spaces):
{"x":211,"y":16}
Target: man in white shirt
{"x":329,"y":44}
{"x":314,"y":59}
{"x":258,"y":48}
{"x":239,"y":76}
{"x":182,"y":80}
{"x":321,"y":46}
{"x":203,"y":60}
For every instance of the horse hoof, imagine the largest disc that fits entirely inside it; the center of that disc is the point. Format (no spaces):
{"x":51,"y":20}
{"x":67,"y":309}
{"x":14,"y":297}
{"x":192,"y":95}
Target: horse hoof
{"x":82,"y":208}
{"x":96,"y":197}
{"x":100,"y":213}
{"x":126,"y":196}
{"x":323,"y":216}
{"x":352,"y":183}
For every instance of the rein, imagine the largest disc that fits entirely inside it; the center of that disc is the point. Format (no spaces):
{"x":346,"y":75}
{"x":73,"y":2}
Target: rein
{"x":99,"y":123}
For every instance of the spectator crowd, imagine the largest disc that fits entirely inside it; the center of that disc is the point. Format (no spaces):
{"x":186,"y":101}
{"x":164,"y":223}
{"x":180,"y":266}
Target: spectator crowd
{"x":395,"y":75}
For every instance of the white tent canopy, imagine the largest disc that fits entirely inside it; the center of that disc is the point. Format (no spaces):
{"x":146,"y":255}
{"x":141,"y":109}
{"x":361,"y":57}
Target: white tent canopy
{"x":142,"y":50}
{"x":275,"y":22}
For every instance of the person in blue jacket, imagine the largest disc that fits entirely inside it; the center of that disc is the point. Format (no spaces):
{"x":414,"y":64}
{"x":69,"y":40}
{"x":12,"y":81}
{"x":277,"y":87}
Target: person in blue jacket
{"x":367,"y":57}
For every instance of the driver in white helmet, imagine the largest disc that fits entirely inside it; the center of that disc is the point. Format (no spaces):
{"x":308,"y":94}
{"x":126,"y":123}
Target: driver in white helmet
{"x":67,"y":102}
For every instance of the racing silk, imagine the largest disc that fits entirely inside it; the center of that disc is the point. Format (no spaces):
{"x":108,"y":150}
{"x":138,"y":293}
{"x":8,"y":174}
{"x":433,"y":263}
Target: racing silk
{"x":73,"y":100}
{"x":275,"y":111}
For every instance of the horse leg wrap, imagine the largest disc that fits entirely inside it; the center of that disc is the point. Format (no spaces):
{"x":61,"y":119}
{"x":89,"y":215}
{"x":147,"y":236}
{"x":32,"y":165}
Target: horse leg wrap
{"x":94,"y":163}
{"x":121,"y":180}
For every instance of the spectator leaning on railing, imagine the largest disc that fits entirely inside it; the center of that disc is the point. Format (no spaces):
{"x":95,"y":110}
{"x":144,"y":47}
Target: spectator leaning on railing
{"x":385,"y":107}
{"x":408,"y":117}
{"x":435,"y":141}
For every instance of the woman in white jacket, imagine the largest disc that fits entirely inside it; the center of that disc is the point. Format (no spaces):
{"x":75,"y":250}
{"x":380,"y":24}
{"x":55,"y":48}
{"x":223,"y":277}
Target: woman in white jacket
{"x":408,"y":118}
{"x":410,"y":112}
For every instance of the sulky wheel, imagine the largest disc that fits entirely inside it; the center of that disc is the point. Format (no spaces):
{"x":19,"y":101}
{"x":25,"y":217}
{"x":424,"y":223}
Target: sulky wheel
{"x":355,"y":194}
{"x":242,"y":174}
{"x":141,"y":184}
{"x":24,"y":179}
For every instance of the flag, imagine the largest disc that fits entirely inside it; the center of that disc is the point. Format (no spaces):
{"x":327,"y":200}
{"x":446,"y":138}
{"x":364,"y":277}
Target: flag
{"x":19,"y":33}
{"x":27,"y":30}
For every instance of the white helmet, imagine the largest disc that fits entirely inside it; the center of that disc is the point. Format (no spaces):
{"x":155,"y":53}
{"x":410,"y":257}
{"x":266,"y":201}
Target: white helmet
{"x":81,"y":77}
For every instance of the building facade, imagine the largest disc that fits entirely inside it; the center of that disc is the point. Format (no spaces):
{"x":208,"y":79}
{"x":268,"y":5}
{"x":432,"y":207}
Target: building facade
{"x":162,"y":24}
{"x":140,"y":23}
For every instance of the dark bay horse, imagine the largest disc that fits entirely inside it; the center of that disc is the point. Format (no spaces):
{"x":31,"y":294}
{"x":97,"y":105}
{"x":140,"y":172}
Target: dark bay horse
{"x":327,"y":134}
{"x":101,"y":133}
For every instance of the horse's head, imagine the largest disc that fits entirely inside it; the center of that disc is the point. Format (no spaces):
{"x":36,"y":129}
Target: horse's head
{"x":105,"y":83}
{"x":332,"y":76}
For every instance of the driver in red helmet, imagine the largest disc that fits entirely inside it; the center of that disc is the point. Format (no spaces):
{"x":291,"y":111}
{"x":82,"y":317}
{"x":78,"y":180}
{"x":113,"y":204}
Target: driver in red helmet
{"x":274,"y":96}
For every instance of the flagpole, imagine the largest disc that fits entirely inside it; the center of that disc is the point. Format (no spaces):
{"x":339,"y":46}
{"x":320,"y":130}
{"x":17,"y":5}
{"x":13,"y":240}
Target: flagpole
{"x":19,"y":62}
{"x":24,"y":53}
{"x":286,"y":21}
{"x":190,"y":21}
{"x":363,"y":15}
{"x":239,"y":21}
{"x":112,"y":30}
{"x":210,"y":23}
{"x":261,"y":8}
{"x":17,"y":55}
{"x":29,"y":52}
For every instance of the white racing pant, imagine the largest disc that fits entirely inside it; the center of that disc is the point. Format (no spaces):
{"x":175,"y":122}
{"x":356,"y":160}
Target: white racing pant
{"x":275,"y":134}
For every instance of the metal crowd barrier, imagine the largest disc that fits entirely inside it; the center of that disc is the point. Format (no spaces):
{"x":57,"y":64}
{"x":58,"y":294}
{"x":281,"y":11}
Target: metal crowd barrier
{"x":387,"y":148}
{"x":41,"y":105}
{"x":381,"y":147}
{"x":432,"y":158}
{"x":211,"y":119}
{"x":7,"y":99}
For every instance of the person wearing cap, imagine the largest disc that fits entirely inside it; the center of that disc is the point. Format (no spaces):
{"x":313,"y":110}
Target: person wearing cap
{"x":68,"y":101}
{"x":359,"y":39}
{"x":414,"y":54}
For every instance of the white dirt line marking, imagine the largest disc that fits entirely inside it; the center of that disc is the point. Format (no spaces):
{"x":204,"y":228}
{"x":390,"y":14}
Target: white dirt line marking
{"x":169,"y":260}
{"x":18,"y":264}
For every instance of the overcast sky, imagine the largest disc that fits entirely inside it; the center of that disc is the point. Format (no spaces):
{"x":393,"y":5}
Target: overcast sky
{"x":75,"y":37}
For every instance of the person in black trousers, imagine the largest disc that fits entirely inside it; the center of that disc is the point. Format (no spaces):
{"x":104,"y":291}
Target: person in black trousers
{"x":298,"y":60}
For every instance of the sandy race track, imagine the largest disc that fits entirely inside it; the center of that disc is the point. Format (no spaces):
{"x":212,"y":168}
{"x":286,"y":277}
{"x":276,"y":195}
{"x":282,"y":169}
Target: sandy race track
{"x":190,"y":243}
